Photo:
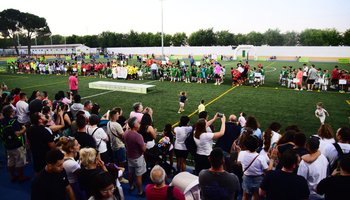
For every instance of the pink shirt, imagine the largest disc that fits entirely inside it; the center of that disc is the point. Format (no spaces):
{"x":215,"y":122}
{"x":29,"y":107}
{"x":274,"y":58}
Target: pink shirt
{"x":73,"y":83}
{"x":161,"y":193}
{"x":217,"y":69}
{"x":299,"y":76}
{"x":138,"y":115}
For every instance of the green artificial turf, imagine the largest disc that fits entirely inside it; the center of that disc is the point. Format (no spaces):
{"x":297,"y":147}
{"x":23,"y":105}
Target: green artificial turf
{"x":271,"y":102}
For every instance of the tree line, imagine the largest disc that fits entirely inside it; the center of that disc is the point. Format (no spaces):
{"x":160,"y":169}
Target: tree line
{"x":28,"y":29}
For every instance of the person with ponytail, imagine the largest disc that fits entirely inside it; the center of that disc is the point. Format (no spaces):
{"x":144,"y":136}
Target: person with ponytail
{"x":270,"y":138}
{"x":71,"y":147}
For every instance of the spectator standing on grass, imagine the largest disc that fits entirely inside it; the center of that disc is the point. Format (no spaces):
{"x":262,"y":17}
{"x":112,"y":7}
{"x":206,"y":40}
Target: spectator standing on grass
{"x":337,"y":185}
{"x":204,"y":141}
{"x":52,"y":181}
{"x":36,"y":104}
{"x":100,"y":136}
{"x":284,"y":184}
{"x":299,"y":76}
{"x":154,"y":69}
{"x":115,"y":132}
{"x":159,"y":190}
{"x":138,"y":111}
{"x":73,"y":83}
{"x":325,"y":133}
{"x":135,"y":147}
{"x":316,"y":171}
{"x":254,"y":167}
{"x":87,"y":108}
{"x":181,"y":133}
{"x":76,"y":106}
{"x":84,"y":139}
{"x":330,"y":151}
{"x":305,"y":76}
{"x":214,"y":181}
{"x":40,"y":141}
{"x":334,"y":81}
{"x":232,"y":132}
{"x":311,"y":78}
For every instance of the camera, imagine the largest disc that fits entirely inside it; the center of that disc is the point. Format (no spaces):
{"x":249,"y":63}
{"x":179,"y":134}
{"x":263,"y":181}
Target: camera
{"x":220,"y":115}
{"x":69,"y":93}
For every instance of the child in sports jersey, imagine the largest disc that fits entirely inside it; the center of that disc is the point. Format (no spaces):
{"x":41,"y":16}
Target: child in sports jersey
{"x":318,"y":78}
{"x":161,"y":73}
{"x":256,"y":78}
{"x":321,"y":113}
{"x":262,"y":71}
{"x":140,"y":72}
{"x":251,"y":77}
{"x":342,"y":75}
{"x":234,"y":77}
{"x":183,"y":98}
{"x":203,"y":73}
{"x":283,"y":75}
{"x":199,"y":74}
{"x":173,"y":74}
{"x":194,"y":73}
{"x":326,"y":78}
{"x":188,"y":73}
{"x":290,"y":77}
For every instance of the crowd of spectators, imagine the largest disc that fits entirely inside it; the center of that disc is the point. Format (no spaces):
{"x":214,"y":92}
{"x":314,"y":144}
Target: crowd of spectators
{"x":85,"y":153}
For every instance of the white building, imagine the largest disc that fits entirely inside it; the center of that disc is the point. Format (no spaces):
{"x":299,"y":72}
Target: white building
{"x":56,"y":49}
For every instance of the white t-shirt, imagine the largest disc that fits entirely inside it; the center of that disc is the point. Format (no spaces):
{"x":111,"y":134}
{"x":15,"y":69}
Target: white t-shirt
{"x":242,"y":121}
{"x":305,"y":70}
{"x":181,"y":135}
{"x":314,"y":172}
{"x":256,"y":168}
{"x":331,"y":152}
{"x":324,"y":142}
{"x":99,"y":136}
{"x":274,"y":138}
{"x":204,"y":144}
{"x":70,"y":165}
{"x":22,"y":110}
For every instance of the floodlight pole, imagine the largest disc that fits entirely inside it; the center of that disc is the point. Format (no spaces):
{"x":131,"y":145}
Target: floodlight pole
{"x":162,"y":33}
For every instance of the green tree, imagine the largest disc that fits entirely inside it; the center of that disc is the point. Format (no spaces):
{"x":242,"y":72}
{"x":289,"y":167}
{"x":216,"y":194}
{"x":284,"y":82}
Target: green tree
{"x":90,"y":40}
{"x":240,"y":39}
{"x":144,"y":39}
{"x":106,"y":39}
{"x":346,"y":37}
{"x":331,"y":37}
{"x":179,"y":39}
{"x":10,"y":25}
{"x":202,"y":38}
{"x":5,"y":43}
{"x":34,"y":26}
{"x":290,"y":38}
{"x":311,"y":37}
{"x":273,"y":37}
{"x":224,"y":38}
{"x":133,"y":39}
{"x":255,"y":38}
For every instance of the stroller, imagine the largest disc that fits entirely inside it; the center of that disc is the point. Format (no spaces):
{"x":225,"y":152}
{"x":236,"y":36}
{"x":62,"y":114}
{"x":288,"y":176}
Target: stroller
{"x":157,"y":155}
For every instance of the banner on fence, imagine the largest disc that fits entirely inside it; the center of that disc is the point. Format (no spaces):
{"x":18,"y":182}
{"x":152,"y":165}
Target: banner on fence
{"x":343,"y":60}
{"x":68,"y":58}
{"x":197,"y":57}
{"x":303,"y":59}
{"x":261,"y":58}
{"x":175,"y":57}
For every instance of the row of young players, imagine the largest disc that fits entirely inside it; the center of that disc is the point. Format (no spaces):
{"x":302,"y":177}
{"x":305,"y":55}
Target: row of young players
{"x":290,"y":78}
{"x":173,"y":72}
{"x":255,"y":76}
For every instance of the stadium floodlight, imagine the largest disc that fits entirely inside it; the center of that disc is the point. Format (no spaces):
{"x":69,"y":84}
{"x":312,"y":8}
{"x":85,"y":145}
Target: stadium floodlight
{"x":162,"y":32}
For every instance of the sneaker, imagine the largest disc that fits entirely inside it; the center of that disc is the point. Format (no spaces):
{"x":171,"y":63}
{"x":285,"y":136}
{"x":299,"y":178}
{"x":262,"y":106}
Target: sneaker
{"x":219,"y":83}
{"x":215,"y":83}
{"x":132,"y":189}
{"x":142,"y":195}
{"x":179,"y":112}
{"x":26,"y":178}
{"x":296,"y":89}
{"x":182,"y":110}
{"x":123,"y":180}
{"x":318,"y":91}
{"x":189,"y":81}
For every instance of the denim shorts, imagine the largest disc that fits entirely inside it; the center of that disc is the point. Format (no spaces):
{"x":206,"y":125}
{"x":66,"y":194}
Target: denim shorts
{"x":251,"y":184}
{"x":120,"y":155}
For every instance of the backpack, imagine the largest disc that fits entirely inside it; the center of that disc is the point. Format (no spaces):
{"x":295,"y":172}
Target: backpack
{"x":191,"y":144}
{"x":170,"y":195}
{"x":340,"y":154}
{"x":8,"y":135}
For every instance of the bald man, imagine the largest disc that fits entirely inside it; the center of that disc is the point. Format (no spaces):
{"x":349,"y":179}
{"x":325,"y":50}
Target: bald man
{"x":232,"y":131}
{"x":159,"y":189}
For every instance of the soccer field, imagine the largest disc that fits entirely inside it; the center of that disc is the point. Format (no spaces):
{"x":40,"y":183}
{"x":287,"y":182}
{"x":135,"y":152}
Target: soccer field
{"x":271,"y":102}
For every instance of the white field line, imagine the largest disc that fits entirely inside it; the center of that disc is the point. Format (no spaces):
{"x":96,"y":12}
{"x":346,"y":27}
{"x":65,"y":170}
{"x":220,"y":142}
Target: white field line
{"x":271,"y":70}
